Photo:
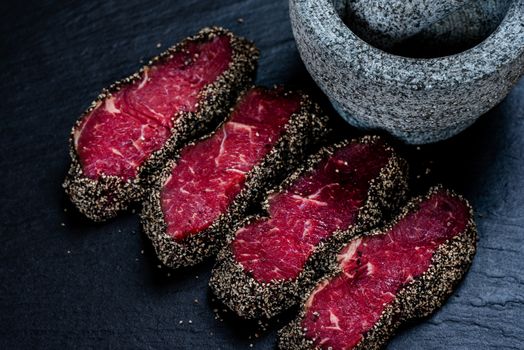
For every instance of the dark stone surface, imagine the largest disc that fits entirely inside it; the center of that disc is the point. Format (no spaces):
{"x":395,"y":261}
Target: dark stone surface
{"x":69,"y":283}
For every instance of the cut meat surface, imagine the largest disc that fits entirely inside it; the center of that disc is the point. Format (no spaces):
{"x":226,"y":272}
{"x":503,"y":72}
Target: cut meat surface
{"x":201,"y":196}
{"x":136,"y":125}
{"x":123,"y":130}
{"x":387,"y":278}
{"x":318,"y":203}
{"x":211,"y":173}
{"x":340,"y":311}
{"x":274,"y":259}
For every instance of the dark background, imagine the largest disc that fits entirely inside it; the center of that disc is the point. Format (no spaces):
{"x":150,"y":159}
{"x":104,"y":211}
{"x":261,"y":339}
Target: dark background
{"x":68,"y":283}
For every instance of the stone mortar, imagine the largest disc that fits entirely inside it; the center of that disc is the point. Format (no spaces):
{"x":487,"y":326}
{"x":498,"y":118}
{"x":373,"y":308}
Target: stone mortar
{"x":417,"y":100}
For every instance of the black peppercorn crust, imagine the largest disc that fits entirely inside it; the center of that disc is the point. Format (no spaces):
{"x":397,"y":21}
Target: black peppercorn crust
{"x":249,"y":298}
{"x":305,"y":128}
{"x":425,"y":294}
{"x":104,"y":198}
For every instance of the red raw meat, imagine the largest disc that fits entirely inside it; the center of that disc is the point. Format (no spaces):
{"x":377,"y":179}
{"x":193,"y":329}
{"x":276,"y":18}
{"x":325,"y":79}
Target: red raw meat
{"x":315,"y":206}
{"x":137,"y":124}
{"x":212,"y":172}
{"x":208,"y":188}
{"x":343,"y":190}
{"x":342,"y":311}
{"x":123,"y":130}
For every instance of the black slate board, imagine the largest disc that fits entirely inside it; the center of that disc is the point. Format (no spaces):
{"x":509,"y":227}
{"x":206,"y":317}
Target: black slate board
{"x":69,"y":283}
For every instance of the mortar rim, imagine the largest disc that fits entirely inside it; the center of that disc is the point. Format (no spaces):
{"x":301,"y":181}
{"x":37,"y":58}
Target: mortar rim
{"x":418,"y":73}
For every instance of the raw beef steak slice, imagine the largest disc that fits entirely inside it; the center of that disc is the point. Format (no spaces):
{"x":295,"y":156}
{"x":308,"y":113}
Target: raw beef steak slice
{"x":272,"y":259}
{"x":388,"y":277}
{"x":207,"y":189}
{"x":135,"y":125}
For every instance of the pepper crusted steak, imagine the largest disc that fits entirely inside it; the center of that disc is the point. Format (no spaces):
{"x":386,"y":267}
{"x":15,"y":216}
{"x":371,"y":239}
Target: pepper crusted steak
{"x":386,"y":278}
{"x":136,"y":124}
{"x":344,"y":189}
{"x":204,"y":193}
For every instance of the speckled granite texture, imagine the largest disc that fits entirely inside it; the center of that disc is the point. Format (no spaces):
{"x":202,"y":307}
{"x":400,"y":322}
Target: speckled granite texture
{"x":387,"y":22}
{"x":460,"y":30}
{"x":416,"y":100}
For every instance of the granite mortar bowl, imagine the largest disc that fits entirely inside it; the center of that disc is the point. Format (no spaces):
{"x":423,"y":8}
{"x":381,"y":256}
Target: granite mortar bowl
{"x":418,"y":100}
